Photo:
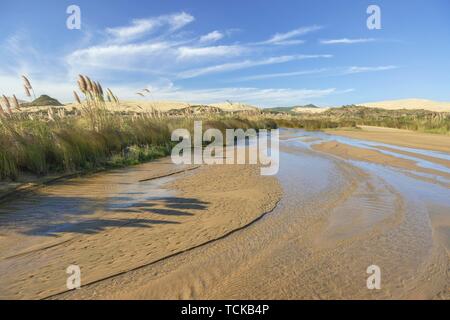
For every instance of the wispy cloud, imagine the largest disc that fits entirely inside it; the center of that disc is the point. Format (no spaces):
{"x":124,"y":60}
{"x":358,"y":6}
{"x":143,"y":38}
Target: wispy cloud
{"x":141,"y":27}
{"x":212,"y":51}
{"x":347,"y":41}
{"x":160,"y":48}
{"x":231,"y":66}
{"x":168,"y":91}
{"x":286,"y":38}
{"x":352,"y":70}
{"x":211,"y":37}
{"x":337,"y":71}
{"x":119,"y":57}
{"x":128,"y":48}
{"x":251,"y":95}
{"x":282,"y":74}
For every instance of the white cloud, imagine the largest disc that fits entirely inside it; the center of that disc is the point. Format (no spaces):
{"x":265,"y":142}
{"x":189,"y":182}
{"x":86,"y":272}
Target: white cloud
{"x":256,"y":96}
{"x":165,"y":90}
{"x":212,"y":51}
{"x":289,"y":42}
{"x":137,"y":28}
{"x":118,"y":57}
{"x":211,"y":37}
{"x":177,"y":21}
{"x":325,"y":71}
{"x":284,"y":38}
{"x":141,"y":27}
{"x":231,"y":66}
{"x":347,"y":41}
{"x":154,"y":57}
{"x":352,"y":70}
{"x":162,"y":56}
{"x":282,"y":74}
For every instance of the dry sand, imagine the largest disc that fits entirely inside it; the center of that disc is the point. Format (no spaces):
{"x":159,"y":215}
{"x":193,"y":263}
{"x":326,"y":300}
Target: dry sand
{"x":405,"y":138}
{"x":111,"y":223}
{"x":411,"y":104}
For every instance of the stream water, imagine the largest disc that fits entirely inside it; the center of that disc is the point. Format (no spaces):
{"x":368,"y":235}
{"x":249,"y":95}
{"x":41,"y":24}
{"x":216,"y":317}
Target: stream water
{"x":336,"y":218}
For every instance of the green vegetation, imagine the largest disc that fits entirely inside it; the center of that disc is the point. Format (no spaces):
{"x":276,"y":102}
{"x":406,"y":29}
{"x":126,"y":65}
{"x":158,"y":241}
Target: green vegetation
{"x":418,"y":120}
{"x":42,"y":101}
{"x":71,"y":144}
{"x":352,"y":116}
{"x":314,"y":124}
{"x":279,"y":110}
{"x":287,"y":109}
{"x":92,"y":135}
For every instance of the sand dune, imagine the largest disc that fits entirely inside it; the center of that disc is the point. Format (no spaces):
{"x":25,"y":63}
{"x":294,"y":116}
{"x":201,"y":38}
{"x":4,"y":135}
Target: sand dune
{"x":148,"y":105}
{"x":309,"y":110}
{"x":431,"y":105}
{"x":169,"y":105}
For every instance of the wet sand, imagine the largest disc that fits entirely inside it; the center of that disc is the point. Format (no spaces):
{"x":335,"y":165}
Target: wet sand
{"x":373,"y":156}
{"x":113,"y":222}
{"x":335,"y":219}
{"x":338,"y":214}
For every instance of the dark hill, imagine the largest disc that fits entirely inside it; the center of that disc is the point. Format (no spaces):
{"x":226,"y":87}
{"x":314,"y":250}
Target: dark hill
{"x":43,"y":100}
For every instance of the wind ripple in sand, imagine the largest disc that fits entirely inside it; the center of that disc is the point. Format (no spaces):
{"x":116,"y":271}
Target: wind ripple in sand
{"x":334,"y":221}
{"x":114,"y":222}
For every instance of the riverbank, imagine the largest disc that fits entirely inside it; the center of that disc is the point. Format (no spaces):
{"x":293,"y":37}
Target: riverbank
{"x":335,"y":219}
{"x":113,"y":222}
{"x":225,"y":232}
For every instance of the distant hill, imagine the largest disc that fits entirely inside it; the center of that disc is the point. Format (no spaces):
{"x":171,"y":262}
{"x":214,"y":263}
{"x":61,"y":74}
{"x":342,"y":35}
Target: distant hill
{"x":412,"y":104}
{"x":42,"y":101}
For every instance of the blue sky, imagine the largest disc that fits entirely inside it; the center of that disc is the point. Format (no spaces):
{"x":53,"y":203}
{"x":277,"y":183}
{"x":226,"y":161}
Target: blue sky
{"x":268,"y":53}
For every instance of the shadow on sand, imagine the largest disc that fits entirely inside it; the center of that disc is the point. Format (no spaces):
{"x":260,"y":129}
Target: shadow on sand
{"x":52,"y":215}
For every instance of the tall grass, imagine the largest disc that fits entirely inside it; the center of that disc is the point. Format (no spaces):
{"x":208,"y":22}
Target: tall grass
{"x":96,"y":138}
